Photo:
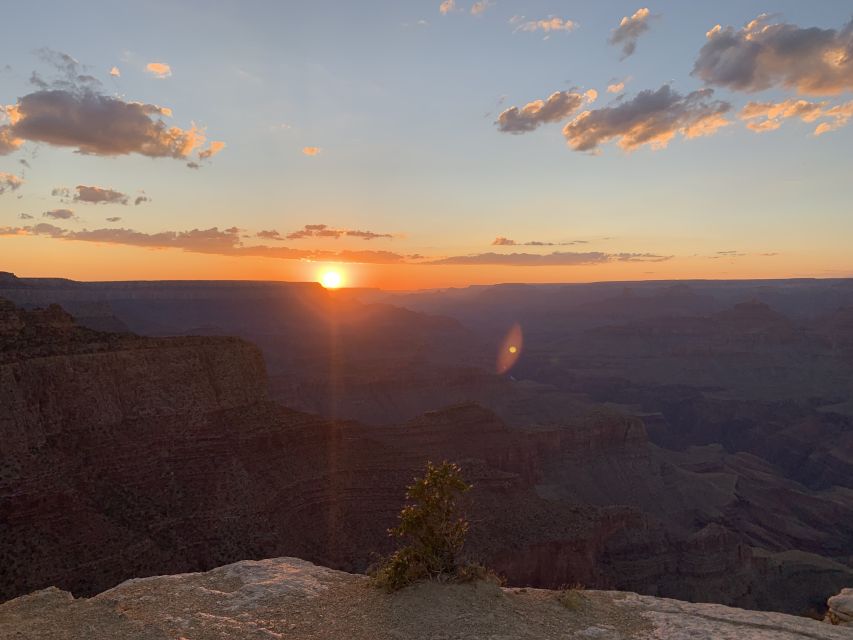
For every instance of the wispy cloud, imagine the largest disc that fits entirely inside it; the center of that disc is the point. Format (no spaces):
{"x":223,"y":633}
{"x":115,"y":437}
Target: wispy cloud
{"x":311,"y":151}
{"x":547,"y":25}
{"x":480,"y":6}
{"x":616,"y":87}
{"x":447,"y":6}
{"x":325,"y":231}
{"x":501,"y":241}
{"x":762,"y":55}
{"x":555,"y":259}
{"x":9,"y":182}
{"x":651,"y":118}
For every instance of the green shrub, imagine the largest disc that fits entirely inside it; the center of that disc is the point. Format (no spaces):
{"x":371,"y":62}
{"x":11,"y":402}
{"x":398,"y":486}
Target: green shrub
{"x":432,"y":532}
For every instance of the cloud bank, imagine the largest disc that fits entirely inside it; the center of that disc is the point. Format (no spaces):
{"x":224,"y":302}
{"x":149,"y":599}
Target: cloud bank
{"x":208,"y":241}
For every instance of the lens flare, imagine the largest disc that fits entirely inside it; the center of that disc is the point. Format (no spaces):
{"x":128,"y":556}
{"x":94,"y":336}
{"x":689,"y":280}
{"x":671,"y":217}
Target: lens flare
{"x":510,"y":349}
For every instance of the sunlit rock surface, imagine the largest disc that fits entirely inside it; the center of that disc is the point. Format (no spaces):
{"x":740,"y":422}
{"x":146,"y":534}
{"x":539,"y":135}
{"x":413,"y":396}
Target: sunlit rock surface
{"x":841,"y":609}
{"x":294,"y":599}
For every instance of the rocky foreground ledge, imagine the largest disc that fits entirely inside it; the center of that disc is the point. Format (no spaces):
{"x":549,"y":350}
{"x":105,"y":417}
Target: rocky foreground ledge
{"x":294,"y":599}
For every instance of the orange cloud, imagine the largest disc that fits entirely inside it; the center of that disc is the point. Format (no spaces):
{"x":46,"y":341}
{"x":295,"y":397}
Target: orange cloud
{"x":215,"y":147}
{"x":115,"y":72}
{"x":616,"y":87}
{"x":768,"y":116}
{"x":311,"y":151}
{"x":159,"y":69}
{"x":479,"y":7}
{"x":447,"y":6}
{"x":552,"y":23}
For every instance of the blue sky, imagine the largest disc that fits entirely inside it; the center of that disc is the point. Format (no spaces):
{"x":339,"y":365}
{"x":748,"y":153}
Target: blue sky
{"x":402,"y":101}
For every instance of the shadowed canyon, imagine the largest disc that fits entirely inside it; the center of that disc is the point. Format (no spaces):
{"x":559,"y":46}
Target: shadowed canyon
{"x":689,"y":440}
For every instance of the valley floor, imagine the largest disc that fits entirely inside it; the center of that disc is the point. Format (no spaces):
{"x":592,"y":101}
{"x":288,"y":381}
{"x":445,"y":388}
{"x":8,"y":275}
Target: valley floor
{"x":293,"y":599}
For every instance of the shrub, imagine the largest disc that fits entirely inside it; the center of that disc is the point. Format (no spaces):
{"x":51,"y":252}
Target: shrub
{"x":572,"y":597}
{"x":432,"y":531}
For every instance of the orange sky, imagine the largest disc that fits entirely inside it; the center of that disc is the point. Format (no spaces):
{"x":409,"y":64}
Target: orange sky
{"x":41,"y":257}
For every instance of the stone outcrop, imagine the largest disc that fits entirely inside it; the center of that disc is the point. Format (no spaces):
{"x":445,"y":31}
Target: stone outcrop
{"x":294,"y":599}
{"x":840,"y":609}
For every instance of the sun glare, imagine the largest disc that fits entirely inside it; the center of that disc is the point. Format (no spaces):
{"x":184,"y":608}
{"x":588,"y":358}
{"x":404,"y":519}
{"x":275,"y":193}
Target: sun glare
{"x":331,"y":279}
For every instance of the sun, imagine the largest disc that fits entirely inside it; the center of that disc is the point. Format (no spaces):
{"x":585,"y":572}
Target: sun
{"x":331,"y":279}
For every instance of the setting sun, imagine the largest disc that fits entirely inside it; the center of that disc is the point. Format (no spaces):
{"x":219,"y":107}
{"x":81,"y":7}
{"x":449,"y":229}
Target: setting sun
{"x":331,"y":279}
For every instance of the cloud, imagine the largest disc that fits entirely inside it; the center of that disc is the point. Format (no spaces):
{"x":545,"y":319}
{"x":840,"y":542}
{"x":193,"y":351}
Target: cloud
{"x":115,"y":72}
{"x":271,"y":234}
{"x":324,"y":231}
{"x":138,"y":200}
{"x":559,"y":106}
{"x":9,"y":182}
{"x":207,"y":241}
{"x":501,"y":241}
{"x":548,"y":25}
{"x":25,"y":216}
{"x":114,"y":219}
{"x":447,"y":6}
{"x":213,"y":148}
{"x":9,"y":143}
{"x":96,"y":124}
{"x":91,"y":195}
{"x":159,"y":69}
{"x":67,"y":73}
{"x":311,"y":151}
{"x":479,"y":7}
{"x":59,"y":214}
{"x":555,"y":259}
{"x":193,"y":165}
{"x":768,"y":116}
{"x":651,"y":117}
{"x":616,"y":87}
{"x":630,"y":30}
{"x":761,"y":55}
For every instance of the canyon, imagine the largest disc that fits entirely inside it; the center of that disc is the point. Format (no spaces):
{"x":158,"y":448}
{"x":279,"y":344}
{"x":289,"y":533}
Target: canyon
{"x":126,"y":456}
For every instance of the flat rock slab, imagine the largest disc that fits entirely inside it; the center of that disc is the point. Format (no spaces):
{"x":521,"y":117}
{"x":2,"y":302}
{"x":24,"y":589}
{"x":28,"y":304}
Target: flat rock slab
{"x":287,"y":598}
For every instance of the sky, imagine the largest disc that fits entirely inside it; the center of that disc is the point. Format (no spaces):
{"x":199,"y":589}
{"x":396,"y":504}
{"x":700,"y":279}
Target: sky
{"x":427,"y":143}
